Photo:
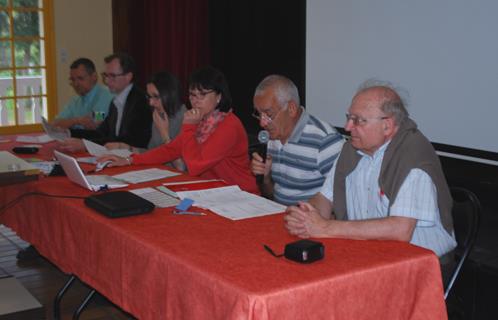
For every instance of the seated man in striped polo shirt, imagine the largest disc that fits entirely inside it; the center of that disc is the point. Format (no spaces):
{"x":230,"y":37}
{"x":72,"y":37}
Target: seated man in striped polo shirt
{"x":302,"y":148}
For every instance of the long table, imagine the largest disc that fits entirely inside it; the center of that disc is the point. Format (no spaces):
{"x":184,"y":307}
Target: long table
{"x":166,"y":266}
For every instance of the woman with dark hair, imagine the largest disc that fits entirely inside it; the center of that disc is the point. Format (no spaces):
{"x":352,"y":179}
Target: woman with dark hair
{"x":212,"y":141}
{"x":163,"y":94}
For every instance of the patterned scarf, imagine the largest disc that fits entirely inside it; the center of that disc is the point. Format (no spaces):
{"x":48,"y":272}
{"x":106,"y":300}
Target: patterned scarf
{"x":207,"y":125}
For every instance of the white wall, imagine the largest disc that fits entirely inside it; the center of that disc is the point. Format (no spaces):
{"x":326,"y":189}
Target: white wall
{"x":83,"y":28}
{"x":443,"y":52}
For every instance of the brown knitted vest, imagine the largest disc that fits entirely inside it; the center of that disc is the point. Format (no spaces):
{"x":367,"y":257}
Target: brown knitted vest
{"x":408,"y":149}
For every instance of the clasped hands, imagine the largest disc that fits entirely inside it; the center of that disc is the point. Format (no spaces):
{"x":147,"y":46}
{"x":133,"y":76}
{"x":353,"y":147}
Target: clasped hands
{"x":305,"y":221}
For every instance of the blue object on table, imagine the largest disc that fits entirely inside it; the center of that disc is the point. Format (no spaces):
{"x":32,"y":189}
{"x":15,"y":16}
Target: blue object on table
{"x":184,"y":205}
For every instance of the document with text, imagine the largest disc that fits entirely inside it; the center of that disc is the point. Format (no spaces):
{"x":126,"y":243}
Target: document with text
{"x":98,"y":150}
{"x":232,"y":203}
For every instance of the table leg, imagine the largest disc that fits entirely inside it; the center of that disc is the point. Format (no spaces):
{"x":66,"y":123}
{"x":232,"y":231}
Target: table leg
{"x":83,"y":305}
{"x":60,"y":294}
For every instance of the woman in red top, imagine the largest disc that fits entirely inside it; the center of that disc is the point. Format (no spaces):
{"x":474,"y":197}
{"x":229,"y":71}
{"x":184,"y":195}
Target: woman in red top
{"x":212,"y":142}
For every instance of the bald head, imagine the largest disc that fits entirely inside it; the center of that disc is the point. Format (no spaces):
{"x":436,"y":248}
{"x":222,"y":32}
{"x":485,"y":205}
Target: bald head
{"x":384,"y":97}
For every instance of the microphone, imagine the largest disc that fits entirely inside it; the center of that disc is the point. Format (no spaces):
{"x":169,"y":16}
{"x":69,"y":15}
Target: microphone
{"x":263,"y":138}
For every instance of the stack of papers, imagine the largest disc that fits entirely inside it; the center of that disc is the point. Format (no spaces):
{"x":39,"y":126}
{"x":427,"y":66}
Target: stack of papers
{"x":232,"y":203}
{"x":98,"y":150}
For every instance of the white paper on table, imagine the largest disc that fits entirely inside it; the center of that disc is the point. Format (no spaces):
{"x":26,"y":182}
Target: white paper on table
{"x":98,"y":150}
{"x":232,"y":203}
{"x":145,"y":175}
{"x":55,"y":133}
{"x":89,"y":160}
{"x":44,"y":138}
{"x":44,"y":166}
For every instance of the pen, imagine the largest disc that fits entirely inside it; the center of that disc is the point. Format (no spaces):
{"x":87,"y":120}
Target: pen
{"x":190,"y":212}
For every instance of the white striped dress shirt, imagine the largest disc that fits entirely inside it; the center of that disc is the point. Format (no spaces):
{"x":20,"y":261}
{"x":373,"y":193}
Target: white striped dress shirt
{"x":417,"y":198}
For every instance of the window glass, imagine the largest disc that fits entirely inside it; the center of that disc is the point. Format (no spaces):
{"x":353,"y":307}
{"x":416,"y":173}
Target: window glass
{"x":4,"y":24}
{"x":27,"y":23}
{"x":5,"y":56}
{"x":27,"y":3}
{"x":30,"y":82}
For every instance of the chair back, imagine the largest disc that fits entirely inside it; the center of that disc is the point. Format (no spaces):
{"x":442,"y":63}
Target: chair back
{"x":466,"y":217}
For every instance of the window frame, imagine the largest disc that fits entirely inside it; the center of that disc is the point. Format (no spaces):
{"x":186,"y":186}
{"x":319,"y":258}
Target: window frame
{"x":50,"y":75}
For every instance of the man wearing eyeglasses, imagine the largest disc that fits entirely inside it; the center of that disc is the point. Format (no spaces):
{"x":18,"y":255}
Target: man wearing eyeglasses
{"x":129,"y":119}
{"x":301,"y":149}
{"x":85,"y":110}
{"x":387,"y":183}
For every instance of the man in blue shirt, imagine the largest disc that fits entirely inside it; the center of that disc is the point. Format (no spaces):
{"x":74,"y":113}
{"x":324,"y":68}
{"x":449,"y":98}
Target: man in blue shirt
{"x":90,"y":106}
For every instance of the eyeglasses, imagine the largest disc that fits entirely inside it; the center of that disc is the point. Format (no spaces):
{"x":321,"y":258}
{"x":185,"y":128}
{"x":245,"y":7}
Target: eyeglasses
{"x":111,"y":76}
{"x":264,"y":115}
{"x":200,"y":95}
{"x":359,"y":121}
{"x":152,"y":97}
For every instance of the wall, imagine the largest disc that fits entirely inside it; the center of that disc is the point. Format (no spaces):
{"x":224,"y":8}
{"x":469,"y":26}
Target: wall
{"x":82,"y":29}
{"x":442,"y":52}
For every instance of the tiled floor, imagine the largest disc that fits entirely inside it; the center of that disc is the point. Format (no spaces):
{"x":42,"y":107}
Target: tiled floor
{"x":43,"y":280}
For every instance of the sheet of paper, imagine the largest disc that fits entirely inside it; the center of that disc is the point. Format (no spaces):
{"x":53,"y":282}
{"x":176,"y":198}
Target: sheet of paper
{"x":89,"y":160}
{"x":145,"y":175}
{"x":55,"y":133}
{"x":232,"y":203}
{"x":158,"y":198}
{"x":44,"y":166}
{"x":98,"y":150}
{"x":44,"y":138}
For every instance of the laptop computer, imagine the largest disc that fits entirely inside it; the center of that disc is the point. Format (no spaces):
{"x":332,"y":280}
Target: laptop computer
{"x":91,"y":182}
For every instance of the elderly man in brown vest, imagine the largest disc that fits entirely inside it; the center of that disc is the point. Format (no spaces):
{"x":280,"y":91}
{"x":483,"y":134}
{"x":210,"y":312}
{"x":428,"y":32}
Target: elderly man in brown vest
{"x":386,"y":184}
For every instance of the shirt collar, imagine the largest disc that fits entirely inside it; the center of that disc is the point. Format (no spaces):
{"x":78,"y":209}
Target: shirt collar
{"x":378,"y":153}
{"x":90,"y":94}
{"x":120,"y":98}
{"x":298,"y":129}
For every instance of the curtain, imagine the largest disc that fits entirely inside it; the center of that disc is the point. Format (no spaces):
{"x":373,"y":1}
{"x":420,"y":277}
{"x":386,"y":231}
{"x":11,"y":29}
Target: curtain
{"x":169,"y":35}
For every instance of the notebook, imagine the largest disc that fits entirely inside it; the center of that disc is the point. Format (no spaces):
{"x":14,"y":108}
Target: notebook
{"x":92,"y":182}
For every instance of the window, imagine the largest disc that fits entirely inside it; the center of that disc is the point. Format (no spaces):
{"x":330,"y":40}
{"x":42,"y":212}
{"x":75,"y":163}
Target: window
{"x":26,"y":73}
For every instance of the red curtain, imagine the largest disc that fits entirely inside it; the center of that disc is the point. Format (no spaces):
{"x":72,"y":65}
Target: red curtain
{"x":161,"y":35}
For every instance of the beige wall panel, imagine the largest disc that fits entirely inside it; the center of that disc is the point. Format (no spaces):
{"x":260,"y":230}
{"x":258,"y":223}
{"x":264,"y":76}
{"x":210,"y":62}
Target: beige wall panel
{"x":83,"y":28}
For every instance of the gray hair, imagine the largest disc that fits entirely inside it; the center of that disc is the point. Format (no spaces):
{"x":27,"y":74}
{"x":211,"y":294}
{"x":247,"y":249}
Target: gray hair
{"x":393,"y":101}
{"x":284,"y":89}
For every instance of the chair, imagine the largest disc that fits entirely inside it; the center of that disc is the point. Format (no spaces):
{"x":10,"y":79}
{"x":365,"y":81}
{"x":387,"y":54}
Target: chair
{"x":466,"y":216}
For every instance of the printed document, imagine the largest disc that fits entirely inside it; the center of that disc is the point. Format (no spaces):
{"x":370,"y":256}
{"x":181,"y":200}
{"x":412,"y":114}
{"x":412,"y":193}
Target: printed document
{"x":232,"y":203}
{"x":98,"y":150}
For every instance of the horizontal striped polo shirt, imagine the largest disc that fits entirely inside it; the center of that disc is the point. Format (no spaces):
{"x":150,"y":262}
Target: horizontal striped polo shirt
{"x":300,"y":166}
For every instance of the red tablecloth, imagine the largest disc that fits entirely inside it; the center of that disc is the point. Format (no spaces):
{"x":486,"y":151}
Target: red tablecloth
{"x":165,"y":266}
